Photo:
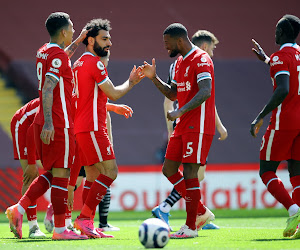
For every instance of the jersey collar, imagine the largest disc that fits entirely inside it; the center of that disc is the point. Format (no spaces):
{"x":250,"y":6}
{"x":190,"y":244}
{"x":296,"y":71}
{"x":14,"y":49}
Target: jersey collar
{"x":51,"y":45}
{"x":190,"y":52}
{"x":88,"y":53}
{"x":294,"y":45}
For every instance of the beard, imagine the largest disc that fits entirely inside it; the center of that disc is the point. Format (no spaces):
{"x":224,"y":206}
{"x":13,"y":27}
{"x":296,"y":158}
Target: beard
{"x":99,"y":50}
{"x":174,"y":53}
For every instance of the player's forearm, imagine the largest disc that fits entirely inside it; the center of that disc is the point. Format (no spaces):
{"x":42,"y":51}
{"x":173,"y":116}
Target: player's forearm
{"x":120,"y":91}
{"x":47,"y":95}
{"x":202,"y":95}
{"x":72,"y":47}
{"x":218,"y":120}
{"x":165,"y":88}
{"x":276,"y":99}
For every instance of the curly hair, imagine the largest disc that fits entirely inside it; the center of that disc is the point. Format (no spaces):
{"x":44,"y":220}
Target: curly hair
{"x":94,"y":26}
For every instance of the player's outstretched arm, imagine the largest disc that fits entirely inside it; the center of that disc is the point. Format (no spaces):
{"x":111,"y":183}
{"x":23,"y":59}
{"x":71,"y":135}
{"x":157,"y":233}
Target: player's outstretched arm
{"x":120,"y":109}
{"x":116,"y":92}
{"x":47,"y":133}
{"x":259,"y":52}
{"x":202,"y":95}
{"x":74,"y":45}
{"x":220,"y":127}
{"x":277,"y":98}
{"x":150,"y":72}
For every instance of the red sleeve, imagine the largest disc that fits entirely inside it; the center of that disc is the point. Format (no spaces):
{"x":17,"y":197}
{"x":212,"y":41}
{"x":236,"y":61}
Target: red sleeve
{"x":75,"y":169}
{"x":204,"y":67}
{"x":57,"y":65}
{"x":30,"y":144}
{"x":279,"y":64}
{"x":99,"y":73}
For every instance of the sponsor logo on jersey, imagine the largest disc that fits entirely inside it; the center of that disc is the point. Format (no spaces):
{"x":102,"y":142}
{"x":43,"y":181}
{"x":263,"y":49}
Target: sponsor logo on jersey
{"x":276,"y":63}
{"x":203,"y":64}
{"x":42,"y":55}
{"x":186,"y":71}
{"x":78,"y":64}
{"x":203,"y":59}
{"x":184,"y":86}
{"x":56,"y":63}
{"x":275,"y":58}
{"x":54,"y":70}
{"x":100,"y":65}
{"x":297,"y":57}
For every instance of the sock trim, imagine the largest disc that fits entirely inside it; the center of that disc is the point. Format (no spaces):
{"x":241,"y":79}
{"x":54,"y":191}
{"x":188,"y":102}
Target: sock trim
{"x":32,"y":206}
{"x":296,"y":188}
{"x":178,"y":181}
{"x":61,"y":188}
{"x":101,"y":183}
{"x":47,"y":180}
{"x":194,"y":188}
{"x":271,"y":180}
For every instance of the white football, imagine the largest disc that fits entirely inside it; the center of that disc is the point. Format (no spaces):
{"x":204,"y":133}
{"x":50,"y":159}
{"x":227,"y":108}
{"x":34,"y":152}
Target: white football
{"x":154,"y":233}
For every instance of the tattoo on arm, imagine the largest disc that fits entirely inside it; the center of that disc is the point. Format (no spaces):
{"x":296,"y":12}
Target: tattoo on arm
{"x":71,"y":48}
{"x":202,"y":95}
{"x":169,"y":91}
{"x":47,"y":94}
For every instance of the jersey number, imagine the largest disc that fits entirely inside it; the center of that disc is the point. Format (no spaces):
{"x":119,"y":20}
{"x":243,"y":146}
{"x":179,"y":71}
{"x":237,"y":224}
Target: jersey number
{"x":39,"y":72}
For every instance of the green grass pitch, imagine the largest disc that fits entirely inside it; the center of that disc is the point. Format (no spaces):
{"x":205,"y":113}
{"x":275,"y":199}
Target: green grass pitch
{"x":241,"y":229}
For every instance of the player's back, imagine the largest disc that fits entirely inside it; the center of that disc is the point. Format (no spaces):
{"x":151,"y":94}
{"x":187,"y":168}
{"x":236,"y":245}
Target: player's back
{"x":89,"y":72}
{"x":28,"y":110}
{"x":52,"y":61}
{"x":287,"y":61}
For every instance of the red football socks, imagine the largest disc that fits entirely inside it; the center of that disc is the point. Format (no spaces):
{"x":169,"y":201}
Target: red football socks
{"x":59,"y":196}
{"x":277,"y":189}
{"x":31,"y":211}
{"x":295,"y":181}
{"x":178,"y":181}
{"x":192,"y":199}
{"x":37,"y":188}
{"x":95,"y":195}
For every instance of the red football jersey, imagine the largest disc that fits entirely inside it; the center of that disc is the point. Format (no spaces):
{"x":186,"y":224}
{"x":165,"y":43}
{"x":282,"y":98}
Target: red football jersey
{"x":53,"y":61}
{"x":28,"y":111}
{"x":89,"y":73}
{"x":287,"y":61}
{"x":188,"y":72}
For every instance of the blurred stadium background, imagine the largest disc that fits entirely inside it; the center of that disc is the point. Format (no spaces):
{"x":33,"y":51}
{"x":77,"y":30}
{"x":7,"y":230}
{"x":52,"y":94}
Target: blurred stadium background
{"x":243,"y":86}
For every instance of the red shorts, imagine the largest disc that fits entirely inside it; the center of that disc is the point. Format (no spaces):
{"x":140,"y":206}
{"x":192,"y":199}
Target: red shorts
{"x":279,"y":145}
{"x":23,"y":140}
{"x":94,"y":147}
{"x":59,"y":153}
{"x":189,"y":148}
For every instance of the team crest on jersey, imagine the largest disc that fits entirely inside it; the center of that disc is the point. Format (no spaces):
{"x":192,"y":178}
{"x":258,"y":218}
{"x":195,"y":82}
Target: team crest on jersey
{"x":56,"y":63}
{"x":275,"y":58}
{"x":203,"y":59}
{"x":186,"y":71}
{"x":100,"y":65}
